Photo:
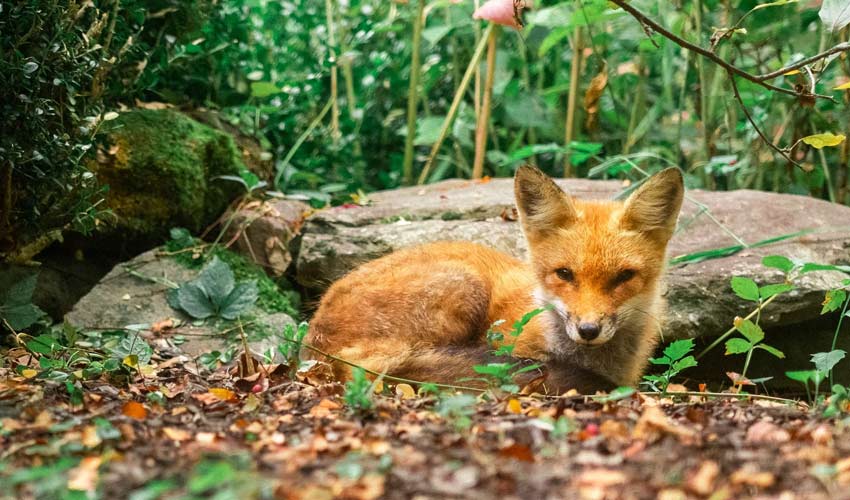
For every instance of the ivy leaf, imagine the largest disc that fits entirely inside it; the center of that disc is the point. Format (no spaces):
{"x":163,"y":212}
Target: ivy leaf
{"x":833,"y":300}
{"x":826,"y":361}
{"x":16,"y":302}
{"x":737,"y":346}
{"x":132,"y":348}
{"x":769,"y":348}
{"x":243,"y":296}
{"x":784,"y":264}
{"x":750,"y":330}
{"x":820,"y":141}
{"x":676,"y":350}
{"x":193,"y":299}
{"x":745,"y":288}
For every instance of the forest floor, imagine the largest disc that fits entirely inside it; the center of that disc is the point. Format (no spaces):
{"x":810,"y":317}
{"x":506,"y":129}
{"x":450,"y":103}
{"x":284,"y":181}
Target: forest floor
{"x":177,"y":431}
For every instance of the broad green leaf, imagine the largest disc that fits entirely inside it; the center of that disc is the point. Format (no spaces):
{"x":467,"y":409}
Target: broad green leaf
{"x":835,"y":14}
{"x":784,"y":264}
{"x":679,"y":348}
{"x":552,"y":39}
{"x":428,"y":130}
{"x":737,"y":346}
{"x":263,"y":89}
{"x":660,"y":361}
{"x":43,"y":344}
{"x":769,"y":348}
{"x":750,"y":330}
{"x":811,"y":267}
{"x":768,"y":291}
{"x":240,"y":300}
{"x":826,"y":361}
{"x":216,"y":279}
{"x":22,"y":316}
{"x":434,"y":34}
{"x":833,"y":301}
{"x":745,"y":288}
{"x":802,"y":376}
{"x":820,"y":141}
{"x":193,"y":299}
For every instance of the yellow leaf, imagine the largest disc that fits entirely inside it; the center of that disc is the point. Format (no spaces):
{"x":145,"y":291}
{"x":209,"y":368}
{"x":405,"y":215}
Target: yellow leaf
{"x":378,"y":387}
{"x":843,"y":86}
{"x":819,"y":141}
{"x":405,"y":391}
{"x":132,"y":361}
{"x":29,"y":373}
{"x":514,"y":406}
{"x":223,"y":394}
{"x":792,"y":72}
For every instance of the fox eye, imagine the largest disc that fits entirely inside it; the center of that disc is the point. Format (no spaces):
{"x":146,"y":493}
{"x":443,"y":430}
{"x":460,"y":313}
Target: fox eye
{"x":565,"y":274}
{"x":624,"y":276}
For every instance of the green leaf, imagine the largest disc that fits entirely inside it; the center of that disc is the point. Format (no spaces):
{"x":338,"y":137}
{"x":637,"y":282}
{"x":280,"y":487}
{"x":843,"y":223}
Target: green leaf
{"x":737,"y":346}
{"x":769,"y":348}
{"x":615,"y":395}
{"x":552,"y":39}
{"x":193,"y":299}
{"x":44,"y":344}
{"x":216,"y":279}
{"x":826,"y":361}
{"x":768,"y":291}
{"x":687,"y":362}
{"x":676,"y":350}
{"x":23,"y":316}
{"x":833,"y":300}
{"x":745,"y":288}
{"x":133,"y":345}
{"x":811,"y":267}
{"x":835,"y":14}
{"x":16,"y":300}
{"x":240,"y":300}
{"x":750,"y":330}
{"x":802,"y":376}
{"x":263,"y":89}
{"x":436,"y":33}
{"x":784,"y":264}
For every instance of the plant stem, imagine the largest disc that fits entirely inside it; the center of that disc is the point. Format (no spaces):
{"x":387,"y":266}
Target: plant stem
{"x":746,"y":365}
{"x":412,"y":94}
{"x":572,"y":98}
{"x":467,"y":76}
{"x":732,"y":330}
{"x":837,"y":330}
{"x":335,"y":135}
{"x":303,"y":137}
{"x":484,"y":117}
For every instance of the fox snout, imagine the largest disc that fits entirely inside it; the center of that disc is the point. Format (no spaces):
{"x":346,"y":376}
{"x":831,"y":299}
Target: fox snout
{"x":589,"y":329}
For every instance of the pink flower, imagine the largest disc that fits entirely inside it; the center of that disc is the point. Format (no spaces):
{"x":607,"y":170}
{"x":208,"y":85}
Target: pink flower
{"x":504,"y":12}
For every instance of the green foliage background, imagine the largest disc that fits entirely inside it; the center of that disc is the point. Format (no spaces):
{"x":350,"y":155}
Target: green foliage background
{"x":266,"y":66}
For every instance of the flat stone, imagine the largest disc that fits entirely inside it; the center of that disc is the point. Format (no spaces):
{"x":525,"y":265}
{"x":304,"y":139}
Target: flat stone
{"x":134,"y":293}
{"x":701,"y":300}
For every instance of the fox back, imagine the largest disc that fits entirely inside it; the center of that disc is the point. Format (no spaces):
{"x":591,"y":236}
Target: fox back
{"x":423,"y":312}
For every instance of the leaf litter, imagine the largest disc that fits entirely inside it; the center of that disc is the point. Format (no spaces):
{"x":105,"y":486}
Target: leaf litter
{"x":177,"y":430}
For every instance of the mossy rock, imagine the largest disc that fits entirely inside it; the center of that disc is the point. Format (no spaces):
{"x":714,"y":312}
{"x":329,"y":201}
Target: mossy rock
{"x":161,"y":168}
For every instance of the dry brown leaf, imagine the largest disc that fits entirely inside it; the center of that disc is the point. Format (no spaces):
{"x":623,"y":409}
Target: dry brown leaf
{"x":135,"y":410}
{"x":176,"y":434}
{"x":518,"y":452}
{"x":653,"y":423}
{"x":767,"y":432}
{"x":405,"y":391}
{"x":750,"y":475}
{"x":223,"y":394}
{"x":702,"y":481}
{"x":90,"y":438}
{"x":84,"y":476}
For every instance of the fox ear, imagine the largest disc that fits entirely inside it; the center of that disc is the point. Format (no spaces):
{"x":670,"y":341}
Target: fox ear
{"x":654,"y":207}
{"x":542,"y":205}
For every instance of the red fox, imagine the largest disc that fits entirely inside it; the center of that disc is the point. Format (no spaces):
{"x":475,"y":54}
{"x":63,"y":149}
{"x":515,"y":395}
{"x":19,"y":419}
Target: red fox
{"x":423,"y":313}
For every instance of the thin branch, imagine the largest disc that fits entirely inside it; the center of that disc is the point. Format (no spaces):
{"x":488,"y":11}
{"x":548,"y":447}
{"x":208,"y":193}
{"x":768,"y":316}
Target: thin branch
{"x":757,"y":79}
{"x":753,"y":123}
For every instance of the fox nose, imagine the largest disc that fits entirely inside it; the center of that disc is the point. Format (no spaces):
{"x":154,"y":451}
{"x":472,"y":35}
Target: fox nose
{"x":588,"y":331}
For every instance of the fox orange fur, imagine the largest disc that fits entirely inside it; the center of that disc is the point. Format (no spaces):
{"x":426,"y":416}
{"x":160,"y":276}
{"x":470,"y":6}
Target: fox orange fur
{"x":423,"y":312}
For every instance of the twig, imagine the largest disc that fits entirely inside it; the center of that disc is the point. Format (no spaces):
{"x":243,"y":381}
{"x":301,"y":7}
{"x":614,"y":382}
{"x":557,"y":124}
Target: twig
{"x":757,"y":79}
{"x":756,"y":127}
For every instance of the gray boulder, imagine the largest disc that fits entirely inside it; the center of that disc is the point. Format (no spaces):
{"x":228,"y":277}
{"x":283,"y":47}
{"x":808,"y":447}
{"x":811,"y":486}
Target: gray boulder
{"x":701,"y":301}
{"x":134,"y":293}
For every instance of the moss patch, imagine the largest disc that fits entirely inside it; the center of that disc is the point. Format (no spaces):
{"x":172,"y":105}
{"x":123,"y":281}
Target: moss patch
{"x":160,"y":166}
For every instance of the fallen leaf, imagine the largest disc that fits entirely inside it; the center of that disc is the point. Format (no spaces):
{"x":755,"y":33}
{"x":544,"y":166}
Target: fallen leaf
{"x":513,"y":406}
{"x":223,"y":394}
{"x":767,"y":432}
{"x":702,"y":481}
{"x":653,"y":423}
{"x":135,"y":410}
{"x":518,"y":452}
{"x":84,"y":476}
{"x":29,"y":373}
{"x":749,"y":475}
{"x":175,"y":434}
{"x":405,"y":391}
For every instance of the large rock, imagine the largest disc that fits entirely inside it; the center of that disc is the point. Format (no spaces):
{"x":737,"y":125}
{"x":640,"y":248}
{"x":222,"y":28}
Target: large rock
{"x":161,"y":168}
{"x":701,"y":301}
{"x":134,"y":293}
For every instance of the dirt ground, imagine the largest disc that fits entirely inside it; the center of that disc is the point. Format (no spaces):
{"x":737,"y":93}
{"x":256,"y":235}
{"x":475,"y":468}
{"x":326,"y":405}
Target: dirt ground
{"x":177,"y":431}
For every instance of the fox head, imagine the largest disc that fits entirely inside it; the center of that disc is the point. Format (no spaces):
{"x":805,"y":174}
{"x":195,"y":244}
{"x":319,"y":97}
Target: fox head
{"x":598,"y":262}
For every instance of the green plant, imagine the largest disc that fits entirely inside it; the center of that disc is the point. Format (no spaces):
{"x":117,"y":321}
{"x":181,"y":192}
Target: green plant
{"x":458,"y":409}
{"x":359,"y":391}
{"x":676,"y":358}
{"x":290,"y":349}
{"x":215,"y":293}
{"x":17,"y":311}
{"x":501,"y":375}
